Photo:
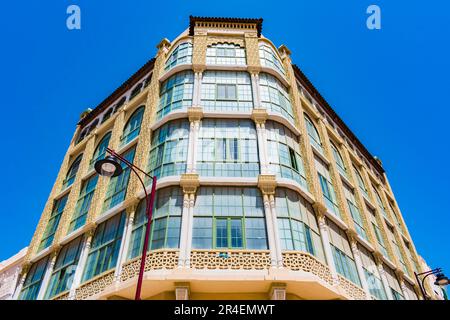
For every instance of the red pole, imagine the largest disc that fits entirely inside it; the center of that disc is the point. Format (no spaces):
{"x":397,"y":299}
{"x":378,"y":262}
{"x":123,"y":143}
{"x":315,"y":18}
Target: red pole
{"x":149,"y":211}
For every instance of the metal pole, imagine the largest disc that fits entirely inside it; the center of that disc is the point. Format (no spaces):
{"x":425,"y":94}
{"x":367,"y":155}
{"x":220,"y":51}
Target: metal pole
{"x":424,"y":294}
{"x":149,"y":212}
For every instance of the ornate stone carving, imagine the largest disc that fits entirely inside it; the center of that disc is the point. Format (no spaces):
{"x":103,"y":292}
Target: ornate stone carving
{"x":95,"y":285}
{"x":189,"y":182}
{"x":259,"y":115}
{"x":267,"y":183}
{"x":158,"y":259}
{"x":230,"y":259}
{"x":195,"y":113}
{"x":302,"y":261}
{"x":352,"y":290}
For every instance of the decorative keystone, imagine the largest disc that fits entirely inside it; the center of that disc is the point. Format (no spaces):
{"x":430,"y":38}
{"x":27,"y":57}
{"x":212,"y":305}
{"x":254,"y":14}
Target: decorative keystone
{"x":195,"y":113}
{"x":259,"y":115}
{"x":267,"y":183}
{"x":189,"y":182}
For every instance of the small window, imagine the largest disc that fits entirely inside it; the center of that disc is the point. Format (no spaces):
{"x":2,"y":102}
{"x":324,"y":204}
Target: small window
{"x":107,"y":115}
{"x":293,"y":159}
{"x":226,"y":92}
{"x":136,"y":91}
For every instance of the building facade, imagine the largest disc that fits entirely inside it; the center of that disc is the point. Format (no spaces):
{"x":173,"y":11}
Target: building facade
{"x":9,"y":274}
{"x":263,"y":192}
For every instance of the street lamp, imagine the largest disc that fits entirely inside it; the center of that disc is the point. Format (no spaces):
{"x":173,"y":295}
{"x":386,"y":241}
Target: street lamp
{"x":110,"y":167}
{"x":441,"y":280}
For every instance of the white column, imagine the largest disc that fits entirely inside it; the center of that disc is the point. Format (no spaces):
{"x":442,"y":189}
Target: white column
{"x":276,"y":233}
{"x":184,"y":231}
{"x":81,"y":264}
{"x":262,"y":147}
{"x":359,"y":268}
{"x":190,"y":150}
{"x":327,"y":248}
{"x":255,"y":89}
{"x":122,"y":258}
{"x":47,"y":275}
{"x":190,"y":226}
{"x":385,"y":282}
{"x":270,"y":231}
{"x":195,"y":144}
{"x":196,"y":98}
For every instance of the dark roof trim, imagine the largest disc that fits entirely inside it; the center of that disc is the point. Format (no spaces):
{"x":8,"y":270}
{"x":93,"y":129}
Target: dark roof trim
{"x":193,"y":20}
{"x":318,"y":97}
{"x":146,"y":68}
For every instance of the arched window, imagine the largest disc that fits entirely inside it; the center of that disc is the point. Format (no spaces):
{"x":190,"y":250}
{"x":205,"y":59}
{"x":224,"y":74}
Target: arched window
{"x":119,"y":104}
{"x":180,"y":55}
{"x":136,"y":90}
{"x":72,"y":173}
{"x":297,"y":224}
{"x":105,"y":246}
{"x":354,"y":211}
{"x":229,"y":218}
{"x":326,"y":184}
{"x":82,"y":135}
{"x":133,"y":126}
{"x":339,"y":162}
{"x":176,"y":93}
{"x":148,"y":80}
{"x":372,"y":274}
{"x":269,"y":58}
{"x":107,"y":114}
{"x":361,"y":184}
{"x":284,"y":153}
{"x":64,"y":269}
{"x":227,"y":148}
{"x":313,"y":134}
{"x":100,"y":151}
{"x":380,"y":203}
{"x":342,"y":253}
{"x":117,"y":188}
{"x":168,"y":154}
{"x":226,"y":91}
{"x":275,"y":96}
{"x":92,"y":126}
{"x":33,"y":281}
{"x":225,"y":54}
{"x":166,"y":222}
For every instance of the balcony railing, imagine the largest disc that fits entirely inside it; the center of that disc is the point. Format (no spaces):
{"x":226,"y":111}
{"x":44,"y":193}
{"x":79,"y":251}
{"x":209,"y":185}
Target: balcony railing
{"x":230,"y":259}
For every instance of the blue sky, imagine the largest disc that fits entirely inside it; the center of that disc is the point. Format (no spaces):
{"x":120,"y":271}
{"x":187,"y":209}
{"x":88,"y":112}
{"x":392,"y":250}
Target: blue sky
{"x":390,"y":86}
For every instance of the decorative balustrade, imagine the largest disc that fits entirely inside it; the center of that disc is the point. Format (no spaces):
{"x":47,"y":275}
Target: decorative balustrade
{"x":62,"y":296}
{"x":303,"y":261}
{"x":157,"y":259}
{"x":95,"y":285}
{"x":351,"y":289}
{"x":230,"y":259}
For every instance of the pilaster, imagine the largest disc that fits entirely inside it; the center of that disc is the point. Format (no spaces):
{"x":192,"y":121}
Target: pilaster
{"x":125,"y":243}
{"x":267,"y":185}
{"x":81,"y":262}
{"x":252,"y":49}
{"x":379,"y":260}
{"x":359,"y":267}
{"x":320,"y":210}
{"x":189,"y":182}
{"x":47,"y":275}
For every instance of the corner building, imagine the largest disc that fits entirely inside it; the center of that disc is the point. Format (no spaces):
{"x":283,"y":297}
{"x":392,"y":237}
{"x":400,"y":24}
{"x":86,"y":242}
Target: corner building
{"x":263,"y":192}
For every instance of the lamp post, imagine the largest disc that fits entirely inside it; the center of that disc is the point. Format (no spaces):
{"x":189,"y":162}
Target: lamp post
{"x":441,"y":280}
{"x":111,"y":167}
